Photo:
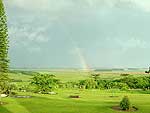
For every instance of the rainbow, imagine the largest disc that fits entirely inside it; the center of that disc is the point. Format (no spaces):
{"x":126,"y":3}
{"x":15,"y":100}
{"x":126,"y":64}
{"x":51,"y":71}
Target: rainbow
{"x":78,"y":51}
{"x":80,"y":55}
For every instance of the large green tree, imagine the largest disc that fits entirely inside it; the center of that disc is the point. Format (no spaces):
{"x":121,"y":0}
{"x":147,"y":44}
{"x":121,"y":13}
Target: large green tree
{"x":45,"y":83}
{"x":4,"y":80}
{"x":3,"y":40}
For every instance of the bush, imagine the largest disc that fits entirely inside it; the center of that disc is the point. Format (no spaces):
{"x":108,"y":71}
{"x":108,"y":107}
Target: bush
{"x":125,"y":103}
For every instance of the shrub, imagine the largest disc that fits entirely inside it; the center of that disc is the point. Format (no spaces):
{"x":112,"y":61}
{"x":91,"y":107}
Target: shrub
{"x":125,"y":103}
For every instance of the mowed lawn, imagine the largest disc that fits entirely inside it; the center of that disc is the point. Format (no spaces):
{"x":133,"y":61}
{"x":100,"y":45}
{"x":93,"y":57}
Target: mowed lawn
{"x":91,"y":101}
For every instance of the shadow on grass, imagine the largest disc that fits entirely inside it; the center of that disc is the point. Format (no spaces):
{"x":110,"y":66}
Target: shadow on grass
{"x":4,"y":110}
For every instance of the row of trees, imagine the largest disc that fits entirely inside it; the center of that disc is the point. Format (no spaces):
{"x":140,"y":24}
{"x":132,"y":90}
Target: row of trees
{"x":45,"y":83}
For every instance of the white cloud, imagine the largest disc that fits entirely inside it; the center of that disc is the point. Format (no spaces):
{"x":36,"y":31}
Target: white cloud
{"x":24,"y":36}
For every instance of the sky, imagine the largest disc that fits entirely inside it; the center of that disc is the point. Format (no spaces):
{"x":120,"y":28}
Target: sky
{"x":78,"y":33}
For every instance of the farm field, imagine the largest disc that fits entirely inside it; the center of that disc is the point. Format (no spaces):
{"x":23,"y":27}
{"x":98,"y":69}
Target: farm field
{"x":90,"y":101}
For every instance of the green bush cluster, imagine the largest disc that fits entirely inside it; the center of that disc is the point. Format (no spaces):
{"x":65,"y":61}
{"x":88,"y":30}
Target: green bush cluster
{"x":98,"y":84}
{"x":136,"y":82}
{"x":125,"y":103}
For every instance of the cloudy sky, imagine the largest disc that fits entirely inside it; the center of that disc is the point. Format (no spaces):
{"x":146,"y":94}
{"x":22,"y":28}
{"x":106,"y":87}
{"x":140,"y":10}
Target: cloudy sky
{"x":79,"y":33}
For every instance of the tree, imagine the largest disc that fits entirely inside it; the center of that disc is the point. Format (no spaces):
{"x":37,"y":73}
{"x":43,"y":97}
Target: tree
{"x":3,"y":49}
{"x":4,"y":82}
{"x":125,"y":103}
{"x":45,"y":82}
{"x":95,"y":76}
{"x":148,"y":71}
{"x":3,"y":40}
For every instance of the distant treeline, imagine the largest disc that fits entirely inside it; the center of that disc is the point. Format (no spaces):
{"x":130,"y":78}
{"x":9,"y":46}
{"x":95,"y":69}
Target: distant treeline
{"x":109,"y":70}
{"x":120,"y":69}
{"x":23,"y":72}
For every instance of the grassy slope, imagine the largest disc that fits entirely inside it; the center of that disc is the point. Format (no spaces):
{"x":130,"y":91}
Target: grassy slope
{"x":91,"y":101}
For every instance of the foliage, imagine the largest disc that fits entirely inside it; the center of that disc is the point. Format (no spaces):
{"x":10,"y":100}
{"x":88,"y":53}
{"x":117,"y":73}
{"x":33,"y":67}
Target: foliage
{"x":122,"y":83}
{"x":3,"y":51}
{"x":3,"y":40}
{"x":45,"y":82}
{"x":136,"y":82}
{"x":125,"y":103}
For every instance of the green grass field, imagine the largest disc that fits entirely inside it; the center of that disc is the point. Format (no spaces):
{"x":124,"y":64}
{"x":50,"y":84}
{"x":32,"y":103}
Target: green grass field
{"x":90,"y":101}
